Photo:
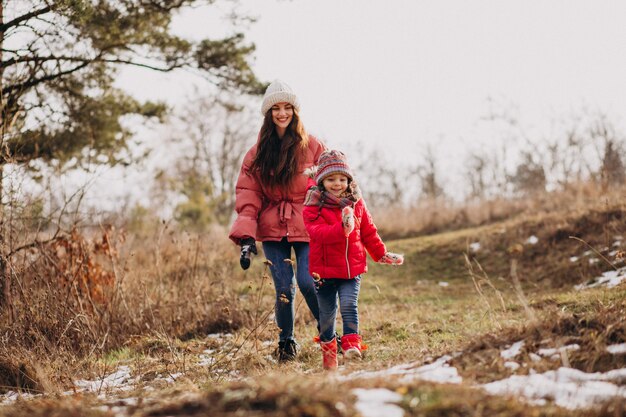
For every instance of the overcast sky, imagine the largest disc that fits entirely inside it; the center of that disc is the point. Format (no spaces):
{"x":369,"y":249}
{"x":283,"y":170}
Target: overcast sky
{"x":410,"y":72}
{"x":399,"y":74}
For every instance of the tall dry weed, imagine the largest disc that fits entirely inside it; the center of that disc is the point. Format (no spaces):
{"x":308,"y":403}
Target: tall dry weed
{"x":86,"y":293}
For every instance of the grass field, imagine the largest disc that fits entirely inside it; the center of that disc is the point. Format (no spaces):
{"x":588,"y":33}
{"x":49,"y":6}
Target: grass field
{"x":194,"y":335}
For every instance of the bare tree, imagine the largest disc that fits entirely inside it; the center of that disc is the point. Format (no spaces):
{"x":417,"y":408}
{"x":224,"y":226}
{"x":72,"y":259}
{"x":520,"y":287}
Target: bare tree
{"x":529,"y":177}
{"x":428,"y":176}
{"x":612,"y":170}
{"x":211,"y":136}
{"x":608,"y":146}
{"x":380,"y":181}
{"x":563,"y":160}
{"x":476,"y":166}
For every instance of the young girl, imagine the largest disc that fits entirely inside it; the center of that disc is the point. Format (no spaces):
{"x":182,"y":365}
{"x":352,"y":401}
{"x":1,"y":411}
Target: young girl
{"x":341,"y":229}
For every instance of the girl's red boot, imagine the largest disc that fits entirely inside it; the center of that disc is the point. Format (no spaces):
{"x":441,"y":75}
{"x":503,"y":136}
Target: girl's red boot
{"x":329,"y":354}
{"x":352,"y":346}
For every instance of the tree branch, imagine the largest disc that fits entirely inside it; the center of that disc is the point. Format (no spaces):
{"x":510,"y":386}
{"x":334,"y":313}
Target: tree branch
{"x":86,"y":61}
{"x":39,"y":80}
{"x":33,"y":244}
{"x":24,"y":17}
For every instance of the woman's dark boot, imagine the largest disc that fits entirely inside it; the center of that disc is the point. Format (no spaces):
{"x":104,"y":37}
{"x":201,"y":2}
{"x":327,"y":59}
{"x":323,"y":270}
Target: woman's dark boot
{"x":287,"y":350}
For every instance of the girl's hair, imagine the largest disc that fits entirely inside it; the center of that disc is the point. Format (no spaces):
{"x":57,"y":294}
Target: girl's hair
{"x":278,"y":159}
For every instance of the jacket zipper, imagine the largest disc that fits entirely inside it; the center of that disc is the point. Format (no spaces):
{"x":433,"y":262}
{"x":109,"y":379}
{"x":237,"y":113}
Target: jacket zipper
{"x":347,"y":263}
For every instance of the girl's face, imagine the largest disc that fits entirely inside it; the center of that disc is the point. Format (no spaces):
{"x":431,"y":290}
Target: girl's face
{"x":282,"y":113}
{"x":335,"y":184}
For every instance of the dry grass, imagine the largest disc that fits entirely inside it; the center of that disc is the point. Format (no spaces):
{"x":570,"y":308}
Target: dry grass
{"x":593,"y":321}
{"x":275,"y":395}
{"x":50,"y":407}
{"x":78,"y":299}
{"x":435,"y":216}
{"x":427,"y":400}
{"x":162,"y":292}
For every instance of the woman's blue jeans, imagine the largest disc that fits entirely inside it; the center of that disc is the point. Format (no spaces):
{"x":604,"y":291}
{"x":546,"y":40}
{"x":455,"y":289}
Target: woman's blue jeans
{"x":347,"y":290}
{"x":285,"y":282}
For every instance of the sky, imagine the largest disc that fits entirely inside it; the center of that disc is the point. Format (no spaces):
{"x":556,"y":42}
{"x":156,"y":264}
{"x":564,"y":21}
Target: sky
{"x":406,"y":73}
{"x":397,"y":76}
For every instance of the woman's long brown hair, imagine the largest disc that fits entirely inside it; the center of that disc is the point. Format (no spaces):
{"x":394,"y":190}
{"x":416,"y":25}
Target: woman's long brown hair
{"x":278,"y":159}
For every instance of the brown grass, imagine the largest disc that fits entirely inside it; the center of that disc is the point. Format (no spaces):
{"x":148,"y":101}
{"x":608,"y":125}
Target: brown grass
{"x":592,"y":323}
{"x":49,"y":407}
{"x":148,"y":299}
{"x":277,"y":395}
{"x":426,"y":217}
{"x":78,"y":298}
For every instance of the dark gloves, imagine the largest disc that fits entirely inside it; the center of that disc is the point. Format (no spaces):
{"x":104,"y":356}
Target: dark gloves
{"x":248,"y":247}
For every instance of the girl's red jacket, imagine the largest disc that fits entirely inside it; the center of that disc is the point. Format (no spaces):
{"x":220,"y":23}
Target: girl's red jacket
{"x":332,"y":254}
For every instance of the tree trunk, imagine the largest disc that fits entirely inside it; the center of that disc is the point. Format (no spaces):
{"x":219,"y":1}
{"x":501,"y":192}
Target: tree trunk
{"x":5,"y":276}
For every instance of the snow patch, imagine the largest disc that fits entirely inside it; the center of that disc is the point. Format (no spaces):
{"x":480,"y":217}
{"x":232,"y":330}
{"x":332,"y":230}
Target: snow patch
{"x":443,"y":284}
{"x":377,"y":402}
{"x":573,"y":259}
{"x":474,"y":247}
{"x":172,"y":377}
{"x":532,"y":240}
{"x":608,"y":279}
{"x":207,"y":358}
{"x":438,"y":371}
{"x":119,"y":407}
{"x":553,"y":351}
{"x":220,"y":336}
{"x":513,"y":351}
{"x":616,"y":349}
{"x":120,"y":380}
{"x":511,"y":365}
{"x":10,"y":397}
{"x":569,"y":388}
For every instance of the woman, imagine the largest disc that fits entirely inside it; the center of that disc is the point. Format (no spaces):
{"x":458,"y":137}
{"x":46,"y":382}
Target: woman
{"x":270,"y":194}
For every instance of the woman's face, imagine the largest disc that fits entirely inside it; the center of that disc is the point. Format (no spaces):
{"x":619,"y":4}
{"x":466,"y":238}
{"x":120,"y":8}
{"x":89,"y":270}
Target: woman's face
{"x":335,"y":184}
{"x":282,"y":113}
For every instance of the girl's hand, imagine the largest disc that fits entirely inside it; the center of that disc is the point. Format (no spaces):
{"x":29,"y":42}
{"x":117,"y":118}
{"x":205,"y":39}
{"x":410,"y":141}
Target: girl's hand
{"x":391,"y":258}
{"x":347,"y":219}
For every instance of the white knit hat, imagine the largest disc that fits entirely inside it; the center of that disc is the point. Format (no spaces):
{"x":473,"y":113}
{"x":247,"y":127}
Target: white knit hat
{"x":279,"y":92}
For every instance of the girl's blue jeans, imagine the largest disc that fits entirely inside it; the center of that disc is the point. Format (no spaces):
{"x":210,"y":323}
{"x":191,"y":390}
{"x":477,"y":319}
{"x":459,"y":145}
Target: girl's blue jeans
{"x":347,"y":290}
{"x":285,"y":282}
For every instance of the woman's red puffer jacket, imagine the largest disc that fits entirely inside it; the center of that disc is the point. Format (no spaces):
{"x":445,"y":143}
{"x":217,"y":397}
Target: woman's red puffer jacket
{"x":272,"y":214}
{"x":332,"y":254}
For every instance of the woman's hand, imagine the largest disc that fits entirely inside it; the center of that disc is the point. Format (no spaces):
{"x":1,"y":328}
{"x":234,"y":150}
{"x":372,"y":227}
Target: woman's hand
{"x":347,"y":219}
{"x":391,"y":258}
{"x":248,"y":248}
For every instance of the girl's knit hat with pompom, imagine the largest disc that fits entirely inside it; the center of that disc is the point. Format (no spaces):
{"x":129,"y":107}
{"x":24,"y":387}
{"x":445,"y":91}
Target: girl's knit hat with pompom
{"x":332,"y":162}
{"x":279,"y":92}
